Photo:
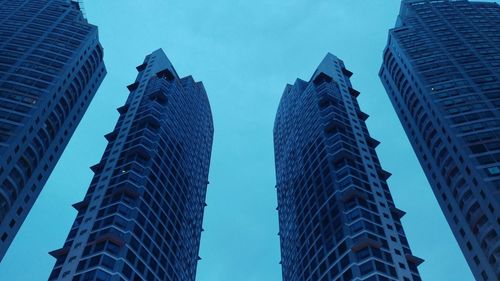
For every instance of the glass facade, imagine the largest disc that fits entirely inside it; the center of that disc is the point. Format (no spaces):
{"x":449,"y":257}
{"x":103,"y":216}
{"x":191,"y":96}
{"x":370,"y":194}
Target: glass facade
{"x":441,"y":70}
{"x":50,"y":68}
{"x":337,"y":218}
{"x":141,"y":218}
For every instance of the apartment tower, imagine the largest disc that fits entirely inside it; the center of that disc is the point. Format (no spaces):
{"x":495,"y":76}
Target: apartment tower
{"x":337,"y":218}
{"x":141,"y":218}
{"x":441,"y":71}
{"x":51,"y":64}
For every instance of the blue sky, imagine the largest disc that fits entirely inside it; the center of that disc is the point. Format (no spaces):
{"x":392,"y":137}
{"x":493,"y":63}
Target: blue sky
{"x":245,"y":52}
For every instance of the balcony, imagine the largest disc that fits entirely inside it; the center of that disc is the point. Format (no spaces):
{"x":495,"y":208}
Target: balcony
{"x":373,"y":143}
{"x":346,"y":72}
{"x":113,"y":237}
{"x":334,"y":126}
{"x":353,"y":92}
{"x":165,"y":74}
{"x":150,"y":121}
{"x":383,"y":174}
{"x":97,"y":167}
{"x":397,"y":213}
{"x":111,"y":136}
{"x":365,"y":242}
{"x":128,"y":188}
{"x":322,"y":78}
{"x":351,"y":193}
{"x":414,"y":260}
{"x":123,"y":109}
{"x":160,"y":97}
{"x":140,"y":150}
{"x":60,"y":252}
{"x":363,"y":116}
{"x":141,"y":67}
{"x":82,"y":205}
{"x":343,"y":154}
{"x":133,"y":86}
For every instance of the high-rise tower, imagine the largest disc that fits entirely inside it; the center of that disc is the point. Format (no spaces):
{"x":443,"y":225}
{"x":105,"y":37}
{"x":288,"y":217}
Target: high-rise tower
{"x":50,"y":68}
{"x":336,"y":214}
{"x":442,"y":72}
{"x":141,"y":218}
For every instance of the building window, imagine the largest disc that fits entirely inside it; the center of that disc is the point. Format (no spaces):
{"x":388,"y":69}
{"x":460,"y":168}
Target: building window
{"x":494,"y":170}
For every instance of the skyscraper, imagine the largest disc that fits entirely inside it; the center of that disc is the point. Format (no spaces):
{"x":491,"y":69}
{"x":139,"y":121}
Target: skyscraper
{"x":337,"y":218}
{"x":141,"y":218}
{"x":50,"y":68}
{"x":441,"y":70}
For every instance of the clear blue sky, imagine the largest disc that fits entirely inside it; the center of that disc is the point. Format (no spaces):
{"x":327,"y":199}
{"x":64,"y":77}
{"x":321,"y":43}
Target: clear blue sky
{"x":245,"y":52}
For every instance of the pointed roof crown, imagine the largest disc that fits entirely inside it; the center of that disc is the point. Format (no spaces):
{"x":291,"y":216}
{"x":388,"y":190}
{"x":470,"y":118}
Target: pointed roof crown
{"x":327,"y":66}
{"x":163,"y":63}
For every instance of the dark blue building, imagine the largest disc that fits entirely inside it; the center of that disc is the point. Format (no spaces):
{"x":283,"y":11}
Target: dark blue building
{"x":50,"y":68}
{"x":141,"y":218}
{"x":337,"y":217}
{"x":441,"y":70}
